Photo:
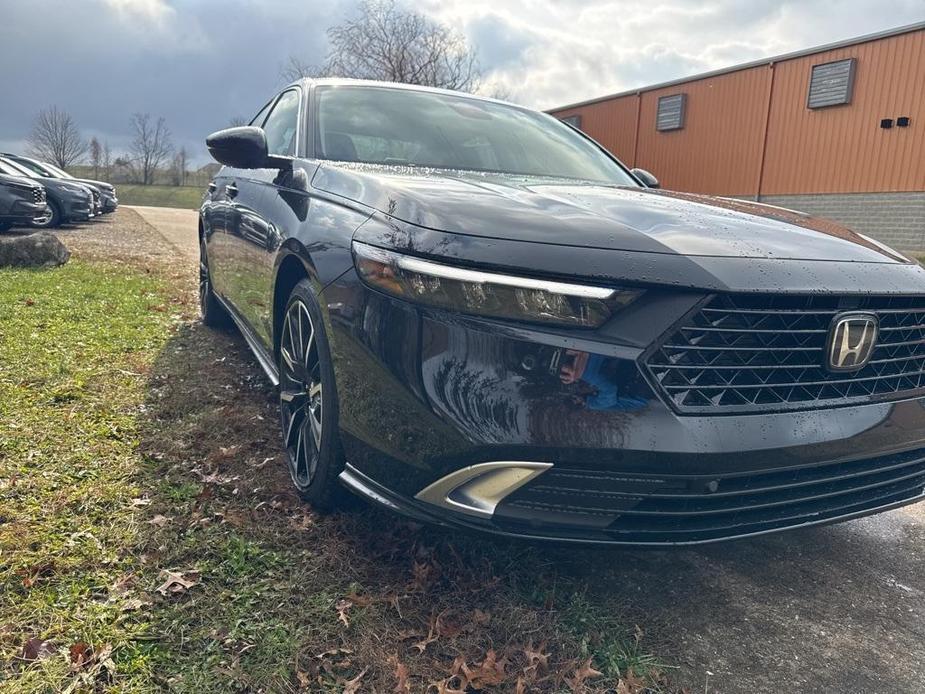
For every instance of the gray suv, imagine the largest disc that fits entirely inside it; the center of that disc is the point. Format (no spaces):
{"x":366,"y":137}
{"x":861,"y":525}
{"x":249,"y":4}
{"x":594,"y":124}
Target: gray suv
{"x":67,"y":201}
{"x":21,"y":201}
{"x":108,"y":200}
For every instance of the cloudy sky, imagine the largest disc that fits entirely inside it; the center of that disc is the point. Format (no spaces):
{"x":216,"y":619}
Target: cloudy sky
{"x":200,"y":63}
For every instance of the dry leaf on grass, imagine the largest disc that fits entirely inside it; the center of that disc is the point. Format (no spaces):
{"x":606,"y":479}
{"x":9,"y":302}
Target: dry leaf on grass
{"x":402,"y":685}
{"x":353,"y":686}
{"x":159,"y":520}
{"x":489,"y":673}
{"x":582,"y":673}
{"x":37,"y":649}
{"x":80,"y":654}
{"x":177,"y":581}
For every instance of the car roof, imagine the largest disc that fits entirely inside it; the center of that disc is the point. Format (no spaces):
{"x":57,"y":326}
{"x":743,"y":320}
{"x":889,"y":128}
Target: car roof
{"x":346,"y":81}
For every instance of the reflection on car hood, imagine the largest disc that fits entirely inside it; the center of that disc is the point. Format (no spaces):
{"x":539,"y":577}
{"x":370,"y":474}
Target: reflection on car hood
{"x":579,"y":213}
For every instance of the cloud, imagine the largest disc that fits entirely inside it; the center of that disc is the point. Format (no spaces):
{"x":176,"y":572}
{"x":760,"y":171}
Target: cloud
{"x":150,"y":10}
{"x":199,"y":63}
{"x":580,"y":49}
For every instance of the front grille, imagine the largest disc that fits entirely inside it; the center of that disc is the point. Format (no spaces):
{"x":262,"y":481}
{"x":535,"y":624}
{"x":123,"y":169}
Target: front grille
{"x":765,"y":353}
{"x":96,"y":195}
{"x":38,"y":195}
{"x":664,"y":509}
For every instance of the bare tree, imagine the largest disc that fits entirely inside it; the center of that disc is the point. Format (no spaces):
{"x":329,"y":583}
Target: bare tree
{"x":386,"y":42}
{"x":55,"y":138}
{"x":96,"y":156}
{"x":107,"y":161}
{"x":238,"y":120}
{"x":296,"y":69}
{"x":179,"y":169}
{"x":150,"y":147}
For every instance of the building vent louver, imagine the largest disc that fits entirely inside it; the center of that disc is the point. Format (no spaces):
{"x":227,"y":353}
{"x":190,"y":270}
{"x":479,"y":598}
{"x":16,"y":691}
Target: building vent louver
{"x":831,"y":84}
{"x":671,"y":112}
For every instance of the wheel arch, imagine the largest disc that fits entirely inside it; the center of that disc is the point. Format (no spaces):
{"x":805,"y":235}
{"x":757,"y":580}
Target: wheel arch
{"x":292,"y":267}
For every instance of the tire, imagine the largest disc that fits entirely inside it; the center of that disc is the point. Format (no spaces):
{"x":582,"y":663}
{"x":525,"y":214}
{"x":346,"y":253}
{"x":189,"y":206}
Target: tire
{"x":53,"y":220}
{"x":308,"y":403}
{"x":213,"y":313}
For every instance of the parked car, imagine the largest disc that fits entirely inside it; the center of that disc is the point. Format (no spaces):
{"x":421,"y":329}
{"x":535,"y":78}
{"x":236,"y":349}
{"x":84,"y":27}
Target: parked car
{"x":67,"y":201}
{"x":107,"y":192}
{"x":478,"y":317}
{"x":22,"y":201}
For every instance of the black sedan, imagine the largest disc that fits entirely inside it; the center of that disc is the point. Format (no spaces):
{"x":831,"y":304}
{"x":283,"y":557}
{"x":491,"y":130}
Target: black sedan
{"x":478,"y":317}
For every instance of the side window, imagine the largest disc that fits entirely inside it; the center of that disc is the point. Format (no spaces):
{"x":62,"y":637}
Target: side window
{"x":282,"y":124}
{"x":259,"y":118}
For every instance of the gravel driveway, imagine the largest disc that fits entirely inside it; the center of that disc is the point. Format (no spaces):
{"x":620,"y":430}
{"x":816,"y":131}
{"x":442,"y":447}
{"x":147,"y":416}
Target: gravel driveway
{"x":834,"y":609}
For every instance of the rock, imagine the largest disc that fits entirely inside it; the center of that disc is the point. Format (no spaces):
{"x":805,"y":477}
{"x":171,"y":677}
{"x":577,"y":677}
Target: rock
{"x":33,"y":250}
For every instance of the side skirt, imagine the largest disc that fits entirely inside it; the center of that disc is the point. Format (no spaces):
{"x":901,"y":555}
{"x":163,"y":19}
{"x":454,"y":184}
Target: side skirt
{"x":263,"y":357}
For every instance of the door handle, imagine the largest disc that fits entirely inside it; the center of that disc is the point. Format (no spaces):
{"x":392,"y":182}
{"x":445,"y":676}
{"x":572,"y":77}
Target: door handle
{"x":231,"y":190}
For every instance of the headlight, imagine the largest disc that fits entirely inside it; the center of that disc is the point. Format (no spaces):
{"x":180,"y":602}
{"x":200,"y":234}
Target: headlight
{"x":488,"y":294}
{"x":74,"y":189}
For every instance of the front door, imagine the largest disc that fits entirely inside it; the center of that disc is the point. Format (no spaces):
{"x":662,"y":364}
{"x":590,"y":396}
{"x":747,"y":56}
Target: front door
{"x":252,"y":230}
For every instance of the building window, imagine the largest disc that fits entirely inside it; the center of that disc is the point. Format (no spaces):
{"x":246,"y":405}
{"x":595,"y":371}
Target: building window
{"x":574,"y":121}
{"x":671,"y":110}
{"x":831,"y":84}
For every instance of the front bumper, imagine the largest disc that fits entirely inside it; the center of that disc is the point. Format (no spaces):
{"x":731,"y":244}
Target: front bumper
{"x":110,"y":203}
{"x":426,"y":393}
{"x":77,"y":209}
{"x":25,"y":212}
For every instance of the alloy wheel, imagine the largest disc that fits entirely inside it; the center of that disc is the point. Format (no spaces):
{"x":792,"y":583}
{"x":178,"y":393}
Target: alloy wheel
{"x":203,"y":279}
{"x":300,"y":394}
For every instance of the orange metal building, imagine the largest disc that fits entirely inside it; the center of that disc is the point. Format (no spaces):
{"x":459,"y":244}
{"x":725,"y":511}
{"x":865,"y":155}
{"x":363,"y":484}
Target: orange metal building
{"x":837,"y":130}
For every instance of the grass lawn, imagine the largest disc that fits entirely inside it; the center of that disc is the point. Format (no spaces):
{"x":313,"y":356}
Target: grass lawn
{"x":149,"y":539}
{"x":187,"y":197}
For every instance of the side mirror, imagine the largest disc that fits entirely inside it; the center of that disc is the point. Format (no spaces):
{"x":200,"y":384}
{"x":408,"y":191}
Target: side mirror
{"x":647,"y":179}
{"x":243,"y":148}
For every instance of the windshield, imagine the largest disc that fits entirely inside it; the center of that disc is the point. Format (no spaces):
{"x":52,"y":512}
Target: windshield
{"x":14,"y":169}
{"x":378,"y":125}
{"x":52,"y":170}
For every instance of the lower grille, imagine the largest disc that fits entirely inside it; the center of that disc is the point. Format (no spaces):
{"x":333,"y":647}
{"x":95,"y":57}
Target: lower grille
{"x":668,"y":509}
{"x":765,"y":353}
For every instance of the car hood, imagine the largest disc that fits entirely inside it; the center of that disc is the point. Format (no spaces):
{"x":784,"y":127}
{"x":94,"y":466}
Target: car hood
{"x":59,"y":184}
{"x":102,"y":185}
{"x":18,"y":181}
{"x":590,"y":215}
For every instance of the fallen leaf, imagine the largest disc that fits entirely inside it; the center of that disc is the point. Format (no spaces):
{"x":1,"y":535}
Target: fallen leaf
{"x":582,"y":673}
{"x":159,"y":520}
{"x":177,"y":582}
{"x":537,"y":660}
{"x":141,"y":502}
{"x":402,"y":685}
{"x":489,"y":673}
{"x":304,"y":679}
{"x":343,"y":606}
{"x":352,"y":686}
{"x":80,"y":653}
{"x":36,"y":649}
{"x":133,"y":604}
{"x":446,"y":687}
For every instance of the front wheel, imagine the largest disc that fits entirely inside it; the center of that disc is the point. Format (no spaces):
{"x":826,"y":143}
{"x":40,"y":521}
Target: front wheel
{"x":308,"y":402}
{"x":213,"y":313}
{"x":51,"y":219}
